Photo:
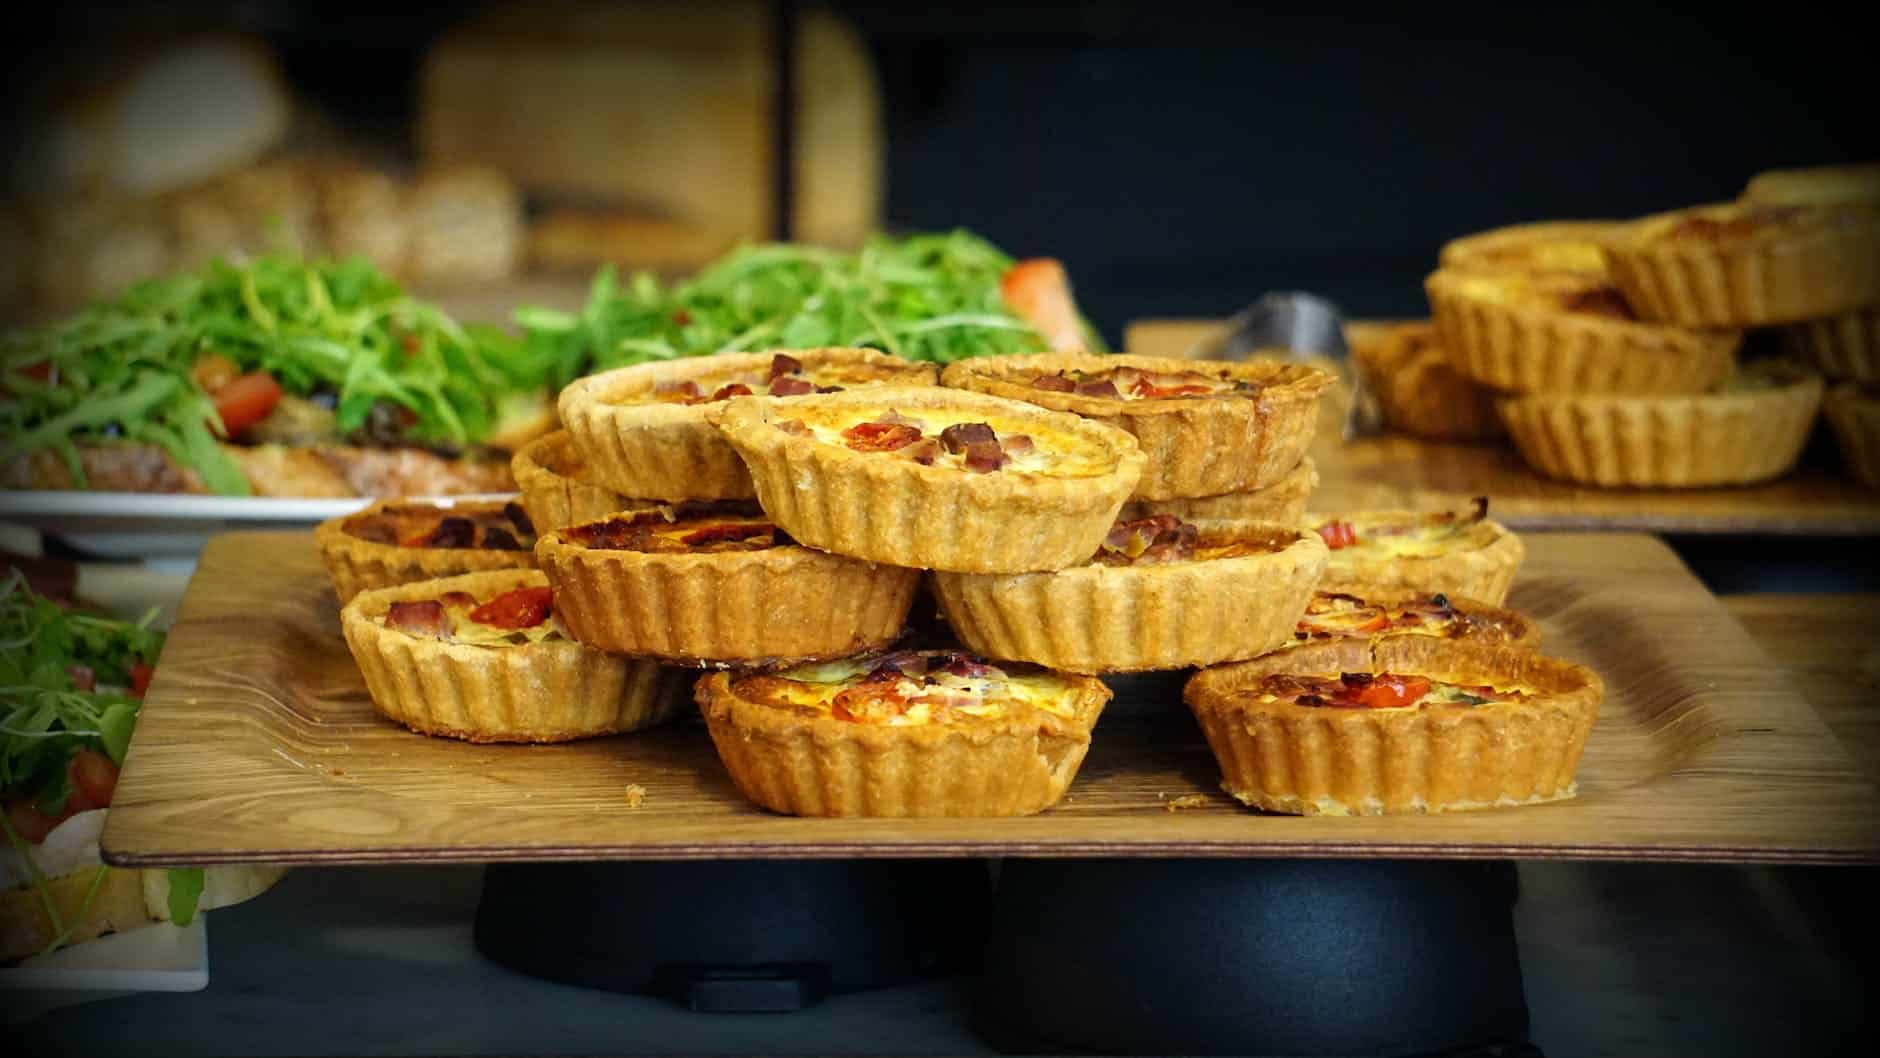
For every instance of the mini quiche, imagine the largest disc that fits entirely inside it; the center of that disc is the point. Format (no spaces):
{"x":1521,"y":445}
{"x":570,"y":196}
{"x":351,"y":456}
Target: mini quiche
{"x":1750,"y":429}
{"x":1576,"y":246}
{"x":1404,"y":724}
{"x":718,"y":584}
{"x":1563,"y":332}
{"x":1283,"y":501}
{"x":484,"y":657}
{"x":644,"y":430}
{"x":934,"y":478}
{"x":1748,"y":264}
{"x":1845,"y":347}
{"x":1206,"y":427}
{"x":913,"y":733}
{"x":1418,"y":390}
{"x":1160,"y":593}
{"x":401,"y":541}
{"x":1333,"y":615}
{"x":1456,"y":553}
{"x":1820,"y":185}
{"x":556,"y":487}
{"x":1854,"y":413}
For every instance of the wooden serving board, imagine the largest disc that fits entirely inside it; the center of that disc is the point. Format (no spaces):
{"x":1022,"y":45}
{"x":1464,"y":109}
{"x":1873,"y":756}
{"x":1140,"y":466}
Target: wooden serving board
{"x":1406,"y":472}
{"x":258,"y":743}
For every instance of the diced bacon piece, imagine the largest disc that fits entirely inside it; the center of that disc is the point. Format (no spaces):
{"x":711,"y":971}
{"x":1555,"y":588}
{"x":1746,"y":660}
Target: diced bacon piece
{"x":792,"y":426}
{"x":685,"y":390}
{"x":782,"y":364}
{"x":423,"y":618}
{"x":1039,"y":292}
{"x":520,"y":608}
{"x":496,"y":538}
{"x":960,"y":664}
{"x":452,"y":532}
{"x":956,"y":437}
{"x":789,"y":386}
{"x":1058,"y":383}
{"x":880,"y":436}
{"x":735,"y":389}
{"x":519,"y":517}
{"x":923,"y":451}
{"x":1097,"y":387}
{"x":983,"y":457}
{"x":1017,"y":443}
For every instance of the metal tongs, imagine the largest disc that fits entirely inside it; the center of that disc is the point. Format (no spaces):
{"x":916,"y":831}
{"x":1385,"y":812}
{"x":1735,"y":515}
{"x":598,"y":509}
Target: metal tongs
{"x":1293,"y":325}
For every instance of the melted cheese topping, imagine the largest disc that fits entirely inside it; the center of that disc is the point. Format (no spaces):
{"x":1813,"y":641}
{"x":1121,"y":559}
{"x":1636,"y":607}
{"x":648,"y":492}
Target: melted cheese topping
{"x":1577,"y":294}
{"x":1132,"y":383}
{"x":1349,"y":691}
{"x":846,"y":690}
{"x":1051,"y":453}
{"x":1330,"y":616}
{"x":1387,"y":538}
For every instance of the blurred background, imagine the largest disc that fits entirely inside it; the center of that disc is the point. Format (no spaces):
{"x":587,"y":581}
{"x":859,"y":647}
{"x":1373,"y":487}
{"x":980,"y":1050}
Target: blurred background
{"x":1179,"y":157}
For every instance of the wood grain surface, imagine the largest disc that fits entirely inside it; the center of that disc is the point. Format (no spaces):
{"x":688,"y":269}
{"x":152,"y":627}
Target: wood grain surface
{"x":1828,"y":645}
{"x":1400,"y":471}
{"x":257,"y":743}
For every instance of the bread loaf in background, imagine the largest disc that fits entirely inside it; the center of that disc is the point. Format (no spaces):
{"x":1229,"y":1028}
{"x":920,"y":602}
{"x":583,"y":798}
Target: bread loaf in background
{"x":662,"y":110}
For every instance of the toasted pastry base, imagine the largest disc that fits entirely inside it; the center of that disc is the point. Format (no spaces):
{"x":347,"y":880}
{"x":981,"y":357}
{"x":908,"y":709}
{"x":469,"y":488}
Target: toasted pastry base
{"x":1541,"y":246}
{"x":1511,"y":344}
{"x":1194,"y":446}
{"x":1493,"y":624}
{"x":1283,"y":501}
{"x":670,"y":451}
{"x":555,"y":489}
{"x":357,"y":564}
{"x":1095,"y":618}
{"x":819,"y":766}
{"x":1820,"y":185}
{"x":534,"y":692}
{"x":1845,"y":347}
{"x":1855,"y":417}
{"x":1419,"y":391}
{"x":726,"y":608}
{"x":899,"y":512}
{"x":1304,"y":760}
{"x":1483,"y":570}
{"x":1731,"y":437}
{"x":1790,"y":273}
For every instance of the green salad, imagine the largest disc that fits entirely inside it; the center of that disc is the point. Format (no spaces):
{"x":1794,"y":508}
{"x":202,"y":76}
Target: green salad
{"x":186,"y":361}
{"x":925,"y":297}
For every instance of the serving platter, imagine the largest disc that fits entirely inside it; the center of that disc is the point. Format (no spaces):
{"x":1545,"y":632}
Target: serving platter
{"x":257,"y":743}
{"x":1400,"y":471}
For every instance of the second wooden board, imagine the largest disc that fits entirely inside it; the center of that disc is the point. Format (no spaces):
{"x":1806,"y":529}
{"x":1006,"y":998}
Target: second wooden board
{"x":257,"y":743}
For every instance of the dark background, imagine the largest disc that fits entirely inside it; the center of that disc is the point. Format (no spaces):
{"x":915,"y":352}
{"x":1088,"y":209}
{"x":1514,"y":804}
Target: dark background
{"x":1183,"y":157}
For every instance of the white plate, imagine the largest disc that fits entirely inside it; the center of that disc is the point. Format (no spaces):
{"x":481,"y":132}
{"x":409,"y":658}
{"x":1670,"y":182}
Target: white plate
{"x":156,"y":958}
{"x":162,"y":526}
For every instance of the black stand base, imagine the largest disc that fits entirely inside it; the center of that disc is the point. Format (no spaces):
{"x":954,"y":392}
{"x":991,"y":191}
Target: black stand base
{"x":735,"y":936}
{"x":1263,"y":957}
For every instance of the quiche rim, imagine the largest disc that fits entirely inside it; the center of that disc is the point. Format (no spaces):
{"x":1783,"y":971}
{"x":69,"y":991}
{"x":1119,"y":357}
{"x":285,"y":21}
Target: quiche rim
{"x":1304,"y":760}
{"x":1485,"y":571}
{"x":1460,"y":252}
{"x":1526,"y":631}
{"x":355,"y":564}
{"x":1855,"y":419}
{"x":554,"y":490}
{"x":1283,"y":501}
{"x":1196,"y":446}
{"x":525,"y":692}
{"x":1439,"y":402}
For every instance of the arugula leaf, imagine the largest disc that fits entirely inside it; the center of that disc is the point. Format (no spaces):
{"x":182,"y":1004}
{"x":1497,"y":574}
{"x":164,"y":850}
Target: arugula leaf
{"x":185,"y":893}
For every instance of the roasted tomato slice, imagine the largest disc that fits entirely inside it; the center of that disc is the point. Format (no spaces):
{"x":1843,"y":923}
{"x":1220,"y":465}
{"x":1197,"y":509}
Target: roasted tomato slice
{"x":140,"y":678}
{"x":1338,"y":534}
{"x":94,"y":780}
{"x":521,"y":608}
{"x":246,"y":401}
{"x":29,"y":822}
{"x":880,"y":436}
{"x":1392,"y":692}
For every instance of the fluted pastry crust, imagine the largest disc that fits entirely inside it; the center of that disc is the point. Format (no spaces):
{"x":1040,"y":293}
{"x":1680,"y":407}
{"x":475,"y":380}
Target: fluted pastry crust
{"x":555,"y":488}
{"x":1744,"y":265}
{"x":670,"y":451}
{"x":1419,"y":391}
{"x":784,"y":603}
{"x":1510,"y":332}
{"x":1820,"y":185}
{"x":1540,"y":246}
{"x":356,"y":564}
{"x":1730,"y":437}
{"x":882,"y":508}
{"x":1855,"y":416}
{"x":1480,"y":565}
{"x":1283,"y":501}
{"x":1302,"y":760}
{"x":1097,"y":618}
{"x":1017,"y":764}
{"x":1846,"y":347}
{"x":1194,"y":446}
{"x":550,"y":691}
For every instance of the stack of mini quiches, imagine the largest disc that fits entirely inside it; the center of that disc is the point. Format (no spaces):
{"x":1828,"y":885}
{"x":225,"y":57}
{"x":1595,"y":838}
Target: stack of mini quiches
{"x":1399,"y":692}
{"x":1014,"y":506}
